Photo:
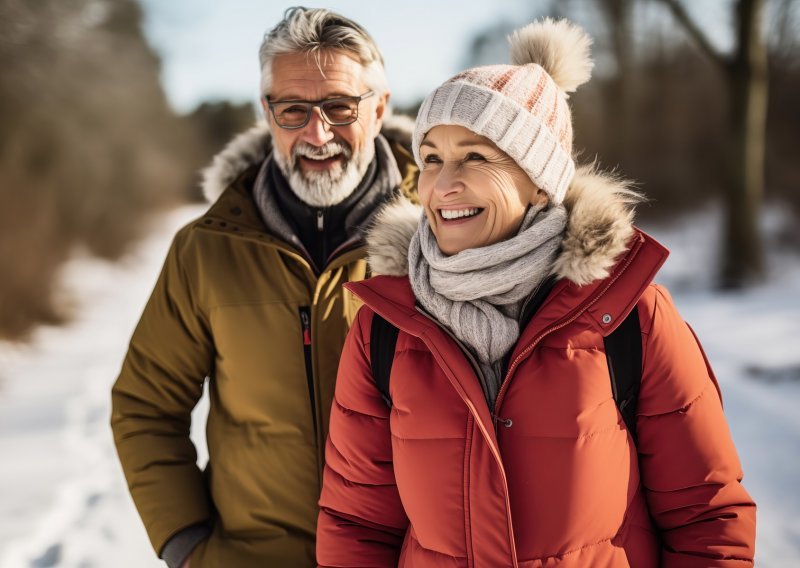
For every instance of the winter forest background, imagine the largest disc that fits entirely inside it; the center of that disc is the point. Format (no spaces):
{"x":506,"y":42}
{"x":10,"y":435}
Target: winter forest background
{"x":98,"y":168}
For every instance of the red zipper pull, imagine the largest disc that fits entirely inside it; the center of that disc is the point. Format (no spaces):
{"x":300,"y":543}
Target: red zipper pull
{"x":305,"y":320}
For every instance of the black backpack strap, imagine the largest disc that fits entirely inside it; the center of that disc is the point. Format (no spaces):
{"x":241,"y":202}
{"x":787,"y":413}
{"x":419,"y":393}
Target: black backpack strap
{"x":382,"y":342}
{"x":624,"y":355}
{"x":623,"y":352}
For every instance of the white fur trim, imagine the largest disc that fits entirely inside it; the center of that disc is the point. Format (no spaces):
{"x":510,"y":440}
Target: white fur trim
{"x":390,"y":235}
{"x":600,"y":225}
{"x":245,"y":150}
{"x":560,"y":47}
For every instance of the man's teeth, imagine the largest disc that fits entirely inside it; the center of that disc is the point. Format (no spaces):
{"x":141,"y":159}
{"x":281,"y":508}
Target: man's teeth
{"x":319,"y":158}
{"x":458,"y":213}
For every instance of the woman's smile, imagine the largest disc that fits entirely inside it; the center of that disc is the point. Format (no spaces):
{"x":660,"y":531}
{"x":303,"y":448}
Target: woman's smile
{"x":451,"y":216}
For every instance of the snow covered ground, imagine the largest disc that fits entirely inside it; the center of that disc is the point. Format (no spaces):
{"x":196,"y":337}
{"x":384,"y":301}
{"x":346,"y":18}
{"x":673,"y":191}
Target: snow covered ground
{"x":63,"y":501}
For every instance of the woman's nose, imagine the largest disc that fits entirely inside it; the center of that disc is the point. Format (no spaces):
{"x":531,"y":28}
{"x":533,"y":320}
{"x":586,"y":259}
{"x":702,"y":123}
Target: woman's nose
{"x":448,"y":181}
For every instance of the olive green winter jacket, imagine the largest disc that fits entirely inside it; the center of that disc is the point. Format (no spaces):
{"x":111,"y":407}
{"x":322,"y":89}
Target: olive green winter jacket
{"x":238,"y":306}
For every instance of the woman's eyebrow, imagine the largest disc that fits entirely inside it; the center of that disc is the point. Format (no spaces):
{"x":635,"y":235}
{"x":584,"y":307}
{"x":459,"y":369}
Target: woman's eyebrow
{"x":462,"y":144}
{"x":473,"y":143}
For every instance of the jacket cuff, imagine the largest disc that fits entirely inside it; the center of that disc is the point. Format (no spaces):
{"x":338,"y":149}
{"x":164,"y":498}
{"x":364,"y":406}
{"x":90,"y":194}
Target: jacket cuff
{"x":180,"y":546}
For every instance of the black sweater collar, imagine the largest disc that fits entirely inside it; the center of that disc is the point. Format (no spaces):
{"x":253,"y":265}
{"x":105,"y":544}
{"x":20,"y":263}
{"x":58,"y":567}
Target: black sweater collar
{"x":320,"y":232}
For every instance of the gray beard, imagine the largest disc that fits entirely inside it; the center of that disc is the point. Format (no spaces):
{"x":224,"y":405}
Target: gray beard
{"x":327,"y":187}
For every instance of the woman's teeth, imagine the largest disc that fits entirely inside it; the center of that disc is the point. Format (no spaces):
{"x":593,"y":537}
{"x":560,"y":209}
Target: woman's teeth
{"x":458,"y":213}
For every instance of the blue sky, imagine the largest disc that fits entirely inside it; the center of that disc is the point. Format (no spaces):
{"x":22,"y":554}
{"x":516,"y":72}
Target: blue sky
{"x":209,"y":48}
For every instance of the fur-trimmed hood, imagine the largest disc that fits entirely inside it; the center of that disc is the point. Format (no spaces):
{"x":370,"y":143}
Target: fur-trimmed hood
{"x":250,"y":147}
{"x":600,"y":225}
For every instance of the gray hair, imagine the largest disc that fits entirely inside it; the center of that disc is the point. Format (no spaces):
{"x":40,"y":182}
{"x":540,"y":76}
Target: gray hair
{"x":313,"y":30}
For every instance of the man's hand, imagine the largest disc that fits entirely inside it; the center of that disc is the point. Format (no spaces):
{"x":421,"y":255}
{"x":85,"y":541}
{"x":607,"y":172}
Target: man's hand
{"x":185,"y":563}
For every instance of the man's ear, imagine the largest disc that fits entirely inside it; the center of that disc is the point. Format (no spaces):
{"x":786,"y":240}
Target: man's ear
{"x":265,"y":109}
{"x":380,"y":109}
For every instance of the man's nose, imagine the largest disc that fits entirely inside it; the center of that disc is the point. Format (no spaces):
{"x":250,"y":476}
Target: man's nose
{"x":317,"y":132}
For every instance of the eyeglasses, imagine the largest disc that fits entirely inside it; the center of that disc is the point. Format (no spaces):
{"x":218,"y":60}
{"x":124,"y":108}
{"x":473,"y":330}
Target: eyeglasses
{"x":338,"y":111}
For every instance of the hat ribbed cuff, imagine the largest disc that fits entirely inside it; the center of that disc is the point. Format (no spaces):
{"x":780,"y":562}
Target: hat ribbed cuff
{"x":514,"y":129}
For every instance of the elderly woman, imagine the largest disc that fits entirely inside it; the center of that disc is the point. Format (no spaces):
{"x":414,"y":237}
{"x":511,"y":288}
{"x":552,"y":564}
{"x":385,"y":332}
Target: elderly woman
{"x":501,"y":439}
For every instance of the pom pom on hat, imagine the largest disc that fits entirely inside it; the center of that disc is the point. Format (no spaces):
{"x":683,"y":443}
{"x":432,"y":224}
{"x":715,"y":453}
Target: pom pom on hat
{"x":560,"y":47}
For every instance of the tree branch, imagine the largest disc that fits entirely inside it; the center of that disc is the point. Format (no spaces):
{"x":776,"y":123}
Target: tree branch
{"x":683,"y":18}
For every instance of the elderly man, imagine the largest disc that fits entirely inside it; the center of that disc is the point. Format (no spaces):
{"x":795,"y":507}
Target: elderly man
{"x":251,"y":298}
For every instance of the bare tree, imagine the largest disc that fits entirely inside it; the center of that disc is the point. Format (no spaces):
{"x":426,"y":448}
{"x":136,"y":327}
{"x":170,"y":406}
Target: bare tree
{"x":745,"y":72}
{"x":88,"y":144}
{"x":618,"y":13}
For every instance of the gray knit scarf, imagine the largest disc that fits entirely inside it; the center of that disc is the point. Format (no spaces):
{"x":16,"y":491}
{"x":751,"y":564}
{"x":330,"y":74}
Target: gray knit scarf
{"x":478,"y":293}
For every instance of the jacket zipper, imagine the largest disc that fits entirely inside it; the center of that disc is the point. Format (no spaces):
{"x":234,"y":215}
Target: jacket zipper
{"x":322,"y":237}
{"x":305,"y":324}
{"x":347,"y":244}
{"x":478,"y":372}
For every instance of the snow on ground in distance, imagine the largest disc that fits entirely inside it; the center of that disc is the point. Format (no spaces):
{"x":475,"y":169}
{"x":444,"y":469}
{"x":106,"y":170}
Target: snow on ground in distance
{"x":63,"y":500}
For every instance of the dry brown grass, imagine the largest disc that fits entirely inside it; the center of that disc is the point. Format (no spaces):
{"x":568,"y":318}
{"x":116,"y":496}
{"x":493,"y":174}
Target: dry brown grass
{"x":88,"y":145}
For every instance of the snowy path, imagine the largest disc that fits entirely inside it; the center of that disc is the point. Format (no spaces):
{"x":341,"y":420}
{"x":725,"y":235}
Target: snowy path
{"x":753,"y":342}
{"x":63,"y":501}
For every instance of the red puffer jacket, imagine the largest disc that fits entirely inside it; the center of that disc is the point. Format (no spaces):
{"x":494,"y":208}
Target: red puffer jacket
{"x":556,"y":480}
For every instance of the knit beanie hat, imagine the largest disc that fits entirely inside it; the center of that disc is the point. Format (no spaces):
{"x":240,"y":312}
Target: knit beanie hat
{"x":521,"y":107}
